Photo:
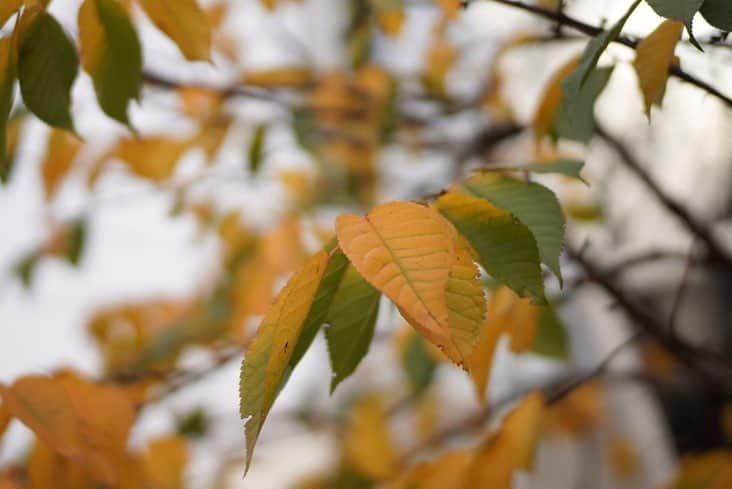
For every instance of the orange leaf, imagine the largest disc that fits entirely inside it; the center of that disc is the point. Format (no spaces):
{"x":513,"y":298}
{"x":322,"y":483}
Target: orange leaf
{"x":166,"y":460}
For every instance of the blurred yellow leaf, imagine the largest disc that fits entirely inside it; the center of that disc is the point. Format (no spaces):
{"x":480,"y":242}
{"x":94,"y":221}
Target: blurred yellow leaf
{"x":292,"y":77}
{"x":47,"y":468}
{"x":579,"y":412}
{"x":269,"y":4}
{"x":282,"y":248}
{"x":390,"y":16}
{"x":551,"y":99}
{"x":5,"y":418}
{"x":267,"y":358}
{"x":199,"y":102}
{"x":654,"y":56}
{"x":60,"y":153}
{"x":166,"y":460}
{"x":622,"y":456}
{"x":711,"y":470}
{"x":441,"y":57}
{"x":448,"y":471}
{"x":185,"y":23}
{"x":154,"y":158}
{"x":406,"y":251}
{"x":367,"y":443}
{"x":450,"y":8}
{"x":8,"y":8}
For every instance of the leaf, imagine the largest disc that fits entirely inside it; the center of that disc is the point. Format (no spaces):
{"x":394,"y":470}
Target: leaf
{"x":256,"y":148}
{"x":7,"y":9}
{"x":268,"y":356}
{"x":418,"y":364}
{"x":24,"y":269}
{"x":8,"y":73}
{"x":75,"y":241}
{"x":389,"y":15}
{"x":682,"y":10}
{"x":654,"y":56}
{"x":47,"y":67}
{"x":533,"y":204}
{"x":60,"y":153}
{"x":572,"y":85}
{"x":111,"y":54}
{"x":710,"y":470}
{"x":406,"y":251}
{"x":551,"y":338}
{"x":551,"y":100}
{"x":287,"y":77}
{"x":154,"y":158}
{"x":718,"y":13}
{"x":568,"y":168}
{"x":166,"y":460}
{"x":449,"y":470}
{"x":576,"y":117}
{"x":185,"y":23}
{"x":367,"y":443}
{"x":351,"y":319}
{"x":622,"y":457}
{"x":505,"y":247}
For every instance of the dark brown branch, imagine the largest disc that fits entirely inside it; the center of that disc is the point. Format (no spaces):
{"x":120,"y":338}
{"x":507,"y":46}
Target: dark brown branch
{"x":591,"y":30}
{"x":678,"y":296}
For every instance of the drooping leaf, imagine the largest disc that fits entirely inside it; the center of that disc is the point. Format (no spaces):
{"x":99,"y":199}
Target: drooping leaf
{"x":8,"y":73}
{"x":682,"y":10}
{"x":406,"y":251}
{"x":718,"y":13}
{"x":256,"y":148}
{"x":332,"y":278}
{"x":7,"y":9}
{"x":111,"y":54}
{"x":185,"y":23}
{"x":576,"y":116}
{"x":351,"y":319}
{"x":533,"y":204}
{"x":47,"y":67}
{"x":569,"y":168}
{"x":505,"y":246}
{"x":267,"y":359}
{"x":572,"y":85}
{"x":551,"y":337}
{"x":60,"y":153}
{"x":654,"y":56}
{"x":367,"y":445}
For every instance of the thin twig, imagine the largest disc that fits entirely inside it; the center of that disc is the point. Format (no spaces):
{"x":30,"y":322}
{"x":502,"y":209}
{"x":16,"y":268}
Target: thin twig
{"x":678,"y":296}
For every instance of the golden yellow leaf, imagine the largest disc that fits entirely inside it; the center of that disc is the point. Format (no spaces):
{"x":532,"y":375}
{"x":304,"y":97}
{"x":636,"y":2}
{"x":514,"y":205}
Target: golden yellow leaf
{"x":269,"y":4}
{"x":450,"y":8}
{"x":551,"y":100}
{"x":654,"y":56}
{"x":5,"y":418}
{"x":60,"y":154}
{"x":710,"y":470}
{"x":580,"y":412}
{"x":448,"y":471}
{"x":292,"y":77}
{"x":47,"y":468}
{"x":406,"y":251}
{"x":282,"y":248}
{"x":390,"y":16}
{"x":8,"y":8}
{"x":367,"y":442}
{"x":441,"y":57}
{"x":268,"y":355}
{"x":154,"y":158}
{"x":491,"y":467}
{"x":622,"y":457}
{"x":185,"y":23}
{"x":11,"y":477}
{"x":166,"y":460}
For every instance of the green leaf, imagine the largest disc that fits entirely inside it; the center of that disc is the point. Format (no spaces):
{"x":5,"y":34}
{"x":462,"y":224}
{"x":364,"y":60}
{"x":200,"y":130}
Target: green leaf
{"x":572,"y":85}
{"x":321,"y":304}
{"x":24,"y":268}
{"x":418,"y":365}
{"x":683,"y":10}
{"x":351,"y":319}
{"x":576,"y":116}
{"x":533,"y":204}
{"x":551,"y":337}
{"x":75,"y":242}
{"x":505,"y":246}
{"x":569,"y":168}
{"x":718,"y":13}
{"x":7,"y":88}
{"x":256,"y":148}
{"x":47,"y":67}
{"x":111,"y":54}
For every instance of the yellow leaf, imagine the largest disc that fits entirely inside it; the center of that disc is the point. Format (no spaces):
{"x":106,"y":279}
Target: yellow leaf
{"x":154,"y":158}
{"x":389,"y":15}
{"x":8,"y":8}
{"x":60,"y":153}
{"x":448,"y":471}
{"x":269,"y":4}
{"x":5,"y":418}
{"x":654,"y":56}
{"x":185,"y":23}
{"x":293,"y":77}
{"x":580,"y":412}
{"x":551,"y":100}
{"x":450,"y":8}
{"x":622,"y":457}
{"x":711,"y":470}
{"x":367,"y":443}
{"x":267,"y":358}
{"x":47,"y":468}
{"x":406,"y":251}
{"x":440,"y":59}
{"x":492,"y":466}
{"x":166,"y":459}
{"x":199,"y":102}
{"x":282,"y":248}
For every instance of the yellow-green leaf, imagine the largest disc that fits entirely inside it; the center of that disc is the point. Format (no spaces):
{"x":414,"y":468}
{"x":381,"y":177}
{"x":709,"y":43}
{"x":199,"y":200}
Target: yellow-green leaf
{"x":111,"y":54}
{"x":185,"y":23}
{"x":654,"y":56}
{"x":267,"y":358}
{"x":8,"y":75}
{"x":406,"y":251}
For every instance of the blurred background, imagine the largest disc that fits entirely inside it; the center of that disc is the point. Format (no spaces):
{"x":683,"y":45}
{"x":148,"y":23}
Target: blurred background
{"x":448,"y":90}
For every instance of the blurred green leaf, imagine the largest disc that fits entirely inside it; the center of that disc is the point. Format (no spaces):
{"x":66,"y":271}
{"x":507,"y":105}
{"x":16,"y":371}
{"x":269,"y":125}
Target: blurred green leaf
{"x":418,"y":365}
{"x":256,"y":149}
{"x":718,"y":13}
{"x":551,"y":337}
{"x":576,"y":116}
